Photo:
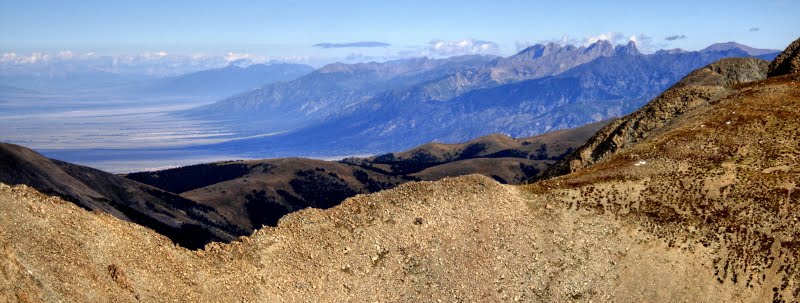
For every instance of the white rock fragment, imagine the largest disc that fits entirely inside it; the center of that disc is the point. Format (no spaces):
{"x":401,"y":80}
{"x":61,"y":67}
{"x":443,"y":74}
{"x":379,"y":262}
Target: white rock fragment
{"x":642,"y":162}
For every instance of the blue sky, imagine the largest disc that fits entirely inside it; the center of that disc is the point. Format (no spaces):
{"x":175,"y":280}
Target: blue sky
{"x":288,"y":29}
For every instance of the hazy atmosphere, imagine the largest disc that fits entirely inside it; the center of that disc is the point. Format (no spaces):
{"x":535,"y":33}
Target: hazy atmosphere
{"x":316,"y":33}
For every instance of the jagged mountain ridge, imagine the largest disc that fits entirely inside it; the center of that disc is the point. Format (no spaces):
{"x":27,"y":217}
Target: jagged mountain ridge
{"x":364,"y":79}
{"x":338,"y":89}
{"x":607,"y":87}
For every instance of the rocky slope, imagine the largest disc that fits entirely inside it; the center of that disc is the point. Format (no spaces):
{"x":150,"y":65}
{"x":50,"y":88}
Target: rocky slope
{"x":697,"y":89}
{"x":450,"y":245}
{"x":787,"y":62}
{"x":703,"y":210}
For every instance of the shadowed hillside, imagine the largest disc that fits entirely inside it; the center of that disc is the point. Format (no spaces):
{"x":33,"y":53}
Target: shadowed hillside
{"x":186,"y":222}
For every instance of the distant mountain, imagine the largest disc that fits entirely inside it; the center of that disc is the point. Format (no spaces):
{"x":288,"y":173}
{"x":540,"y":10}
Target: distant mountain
{"x":73,"y":77}
{"x":618,"y":81}
{"x":337,"y":88}
{"x":229,"y":80}
{"x":64,"y":79}
{"x":186,"y":222}
{"x":332,"y":88}
{"x":727,"y":46}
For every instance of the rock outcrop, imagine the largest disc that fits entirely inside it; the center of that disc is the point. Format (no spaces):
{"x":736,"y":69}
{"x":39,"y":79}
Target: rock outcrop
{"x":787,"y":62}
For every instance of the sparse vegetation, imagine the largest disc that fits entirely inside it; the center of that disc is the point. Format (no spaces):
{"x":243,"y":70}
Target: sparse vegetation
{"x":182,"y":179}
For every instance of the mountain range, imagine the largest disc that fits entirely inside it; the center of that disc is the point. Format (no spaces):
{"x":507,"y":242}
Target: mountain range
{"x":400,"y":104}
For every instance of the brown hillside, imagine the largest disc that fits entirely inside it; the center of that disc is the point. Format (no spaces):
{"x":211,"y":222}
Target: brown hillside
{"x":273,"y":188}
{"x":555,"y":143}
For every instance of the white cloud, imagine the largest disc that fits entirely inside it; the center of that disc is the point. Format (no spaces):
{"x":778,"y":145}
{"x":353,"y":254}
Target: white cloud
{"x":463,"y":47}
{"x":520,"y":45}
{"x":231,"y":57}
{"x":646,"y":44}
{"x":159,"y":63}
{"x":65,"y":55}
{"x":613,"y":37}
{"x":643,"y":42}
{"x":8,"y":57}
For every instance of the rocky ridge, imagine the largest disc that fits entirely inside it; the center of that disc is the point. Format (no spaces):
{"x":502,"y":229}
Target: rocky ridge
{"x":787,"y":62}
